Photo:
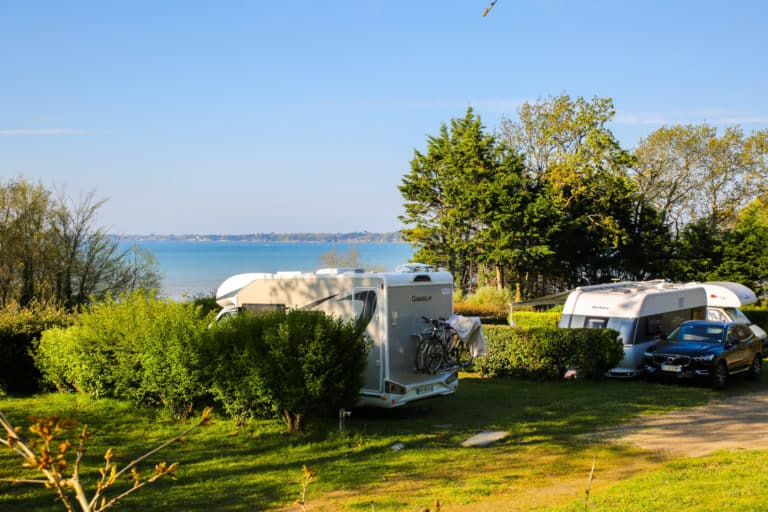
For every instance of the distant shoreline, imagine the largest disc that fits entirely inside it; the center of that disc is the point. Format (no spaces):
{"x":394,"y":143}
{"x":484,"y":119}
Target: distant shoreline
{"x":348,"y":238}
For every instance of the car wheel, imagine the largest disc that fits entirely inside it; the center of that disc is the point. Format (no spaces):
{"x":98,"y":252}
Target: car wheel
{"x":720,"y":376}
{"x":757,"y":368}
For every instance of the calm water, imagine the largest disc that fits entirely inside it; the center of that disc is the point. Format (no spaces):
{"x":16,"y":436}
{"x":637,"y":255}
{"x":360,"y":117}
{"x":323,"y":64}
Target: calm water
{"x":191,"y":268}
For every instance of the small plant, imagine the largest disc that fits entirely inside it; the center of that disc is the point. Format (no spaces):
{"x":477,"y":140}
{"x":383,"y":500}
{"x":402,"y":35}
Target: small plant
{"x":306,"y":478}
{"x":48,"y":455}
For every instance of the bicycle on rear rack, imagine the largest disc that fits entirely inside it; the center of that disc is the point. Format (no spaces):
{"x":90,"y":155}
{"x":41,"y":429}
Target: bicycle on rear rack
{"x":440,"y":348}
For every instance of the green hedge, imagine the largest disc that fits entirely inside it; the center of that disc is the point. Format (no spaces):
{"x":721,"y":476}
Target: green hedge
{"x":488,"y":314}
{"x":19,"y":330}
{"x":758,"y":316}
{"x":136,"y":347}
{"x":546,"y":352}
{"x":533,"y":319}
{"x":287,"y":364}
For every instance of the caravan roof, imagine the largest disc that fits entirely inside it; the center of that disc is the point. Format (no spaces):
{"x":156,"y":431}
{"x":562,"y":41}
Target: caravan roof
{"x":633,"y":299}
{"x":725,"y":294}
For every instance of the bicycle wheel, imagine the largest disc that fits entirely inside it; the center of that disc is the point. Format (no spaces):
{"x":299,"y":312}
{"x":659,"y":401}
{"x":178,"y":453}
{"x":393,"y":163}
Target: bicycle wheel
{"x":434,"y":355}
{"x":461,"y":353}
{"x":420,"y":350}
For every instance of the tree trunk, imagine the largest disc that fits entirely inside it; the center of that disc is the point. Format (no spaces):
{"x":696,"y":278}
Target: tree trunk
{"x":499,"y":277}
{"x":293,"y":421}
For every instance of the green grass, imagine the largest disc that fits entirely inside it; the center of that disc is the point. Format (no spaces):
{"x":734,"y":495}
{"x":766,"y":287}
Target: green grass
{"x":256,"y":466}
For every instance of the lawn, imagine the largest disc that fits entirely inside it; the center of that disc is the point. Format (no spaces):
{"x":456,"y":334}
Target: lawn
{"x":543,"y":464}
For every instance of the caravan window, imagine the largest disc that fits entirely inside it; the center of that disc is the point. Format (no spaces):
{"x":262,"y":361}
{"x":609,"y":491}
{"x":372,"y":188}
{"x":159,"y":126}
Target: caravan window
{"x":595,"y":322}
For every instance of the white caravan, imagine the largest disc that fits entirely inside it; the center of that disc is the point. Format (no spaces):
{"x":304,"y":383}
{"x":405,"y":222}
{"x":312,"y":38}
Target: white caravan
{"x":724,"y":299}
{"x":389,"y":304}
{"x":641,"y":312}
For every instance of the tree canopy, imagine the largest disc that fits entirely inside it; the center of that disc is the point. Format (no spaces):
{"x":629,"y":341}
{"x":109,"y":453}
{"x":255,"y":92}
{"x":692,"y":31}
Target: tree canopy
{"x":552,"y":200}
{"x":51,"y":250}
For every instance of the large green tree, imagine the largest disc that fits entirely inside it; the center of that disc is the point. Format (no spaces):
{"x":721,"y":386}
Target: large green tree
{"x":745,"y":249}
{"x":570,"y":152}
{"x":465,"y":205}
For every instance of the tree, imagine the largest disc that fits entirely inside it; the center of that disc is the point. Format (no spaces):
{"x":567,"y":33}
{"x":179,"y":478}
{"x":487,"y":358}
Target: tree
{"x":570,"y":153}
{"x":689,"y":173}
{"x":466,"y":199}
{"x":53,"y":251}
{"x":745,"y":251}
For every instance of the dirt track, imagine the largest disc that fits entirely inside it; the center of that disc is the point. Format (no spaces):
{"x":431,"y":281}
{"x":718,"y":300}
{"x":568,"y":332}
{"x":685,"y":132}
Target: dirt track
{"x":732,"y":422}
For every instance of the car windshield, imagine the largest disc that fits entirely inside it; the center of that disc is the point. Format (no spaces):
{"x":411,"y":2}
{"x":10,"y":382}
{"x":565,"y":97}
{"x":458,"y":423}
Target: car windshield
{"x":698,"y":333}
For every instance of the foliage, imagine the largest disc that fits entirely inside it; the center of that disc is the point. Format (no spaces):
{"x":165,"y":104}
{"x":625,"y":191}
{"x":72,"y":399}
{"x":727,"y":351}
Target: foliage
{"x":19,"y":330}
{"x":488,"y":313}
{"x":333,"y":259}
{"x":689,"y":173}
{"x":53,"y":251}
{"x":289,"y":364}
{"x":468,"y":203}
{"x":136,"y":347}
{"x":745,"y":251}
{"x":47,"y":453}
{"x":530,"y":319}
{"x":758,"y":315}
{"x":546,"y":352}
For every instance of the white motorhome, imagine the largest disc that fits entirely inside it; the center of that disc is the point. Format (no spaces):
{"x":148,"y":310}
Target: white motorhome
{"x":641,"y":312}
{"x":389,"y":304}
{"x":724,"y":300}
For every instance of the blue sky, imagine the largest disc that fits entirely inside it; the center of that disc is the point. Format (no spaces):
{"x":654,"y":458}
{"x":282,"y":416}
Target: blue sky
{"x":238,"y":117}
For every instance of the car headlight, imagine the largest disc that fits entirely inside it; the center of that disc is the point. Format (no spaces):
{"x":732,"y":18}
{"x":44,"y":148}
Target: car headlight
{"x":703,"y":359}
{"x":648,"y":354}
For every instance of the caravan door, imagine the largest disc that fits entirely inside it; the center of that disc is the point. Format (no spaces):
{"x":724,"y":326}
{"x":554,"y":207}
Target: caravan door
{"x":367,"y":306}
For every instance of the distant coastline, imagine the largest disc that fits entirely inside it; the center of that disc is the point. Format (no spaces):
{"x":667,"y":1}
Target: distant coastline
{"x":347,"y":238}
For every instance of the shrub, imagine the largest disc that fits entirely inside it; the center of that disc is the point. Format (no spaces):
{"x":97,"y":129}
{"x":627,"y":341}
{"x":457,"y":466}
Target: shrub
{"x":289,"y":364}
{"x":488,"y":314}
{"x":19,"y":328}
{"x":758,"y":316}
{"x":533,"y":319}
{"x":136,"y":347}
{"x":546,"y":352}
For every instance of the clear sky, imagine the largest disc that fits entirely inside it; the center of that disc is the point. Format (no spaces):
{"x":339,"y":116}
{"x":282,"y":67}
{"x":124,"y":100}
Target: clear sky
{"x":260,"y":116}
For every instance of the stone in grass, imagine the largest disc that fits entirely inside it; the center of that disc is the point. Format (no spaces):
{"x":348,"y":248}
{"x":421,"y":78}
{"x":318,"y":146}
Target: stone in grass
{"x":485,"y":438}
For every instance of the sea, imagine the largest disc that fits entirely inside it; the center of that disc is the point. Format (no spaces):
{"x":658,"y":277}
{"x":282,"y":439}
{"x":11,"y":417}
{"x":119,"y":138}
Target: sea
{"x":190,"y":268}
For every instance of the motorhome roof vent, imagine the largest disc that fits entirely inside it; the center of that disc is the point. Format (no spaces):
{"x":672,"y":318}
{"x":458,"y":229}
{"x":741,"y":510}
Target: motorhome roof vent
{"x":410,"y":268}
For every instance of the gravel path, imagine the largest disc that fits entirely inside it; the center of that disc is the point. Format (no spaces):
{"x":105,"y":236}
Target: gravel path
{"x":733,"y":422}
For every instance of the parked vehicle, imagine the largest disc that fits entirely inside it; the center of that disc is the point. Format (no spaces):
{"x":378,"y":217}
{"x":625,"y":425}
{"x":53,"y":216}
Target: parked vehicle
{"x":724,"y":300}
{"x":642,"y":313}
{"x":706,"y":350}
{"x":388,"y":305}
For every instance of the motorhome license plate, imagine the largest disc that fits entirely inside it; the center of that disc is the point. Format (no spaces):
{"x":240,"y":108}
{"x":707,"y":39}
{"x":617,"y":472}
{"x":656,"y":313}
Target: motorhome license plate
{"x":671,"y":367}
{"x":424,"y":389}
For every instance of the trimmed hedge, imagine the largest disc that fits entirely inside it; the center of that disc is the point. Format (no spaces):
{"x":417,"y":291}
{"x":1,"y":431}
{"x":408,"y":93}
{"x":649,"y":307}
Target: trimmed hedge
{"x":488,"y":314}
{"x":19,"y":330}
{"x":758,"y":316}
{"x":533,"y":319}
{"x":136,"y":347}
{"x":547,"y":352}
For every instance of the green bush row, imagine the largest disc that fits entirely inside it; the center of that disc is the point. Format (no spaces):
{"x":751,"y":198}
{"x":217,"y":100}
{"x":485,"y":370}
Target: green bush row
{"x":533,"y":319}
{"x":289,"y":364}
{"x":139,"y":348}
{"x":160,"y":353}
{"x":19,"y":330}
{"x":758,"y":316}
{"x":547,"y":352}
